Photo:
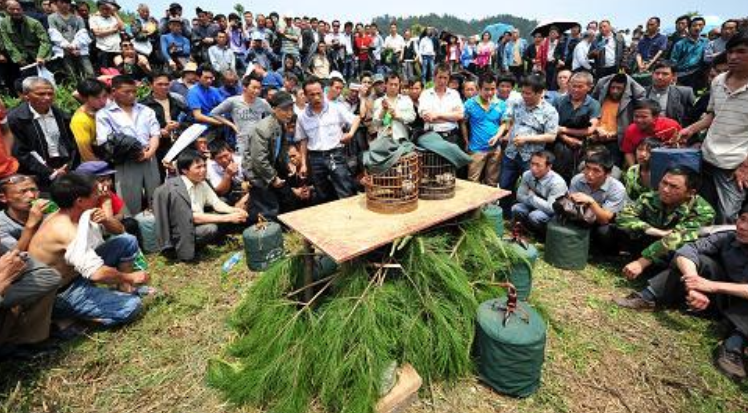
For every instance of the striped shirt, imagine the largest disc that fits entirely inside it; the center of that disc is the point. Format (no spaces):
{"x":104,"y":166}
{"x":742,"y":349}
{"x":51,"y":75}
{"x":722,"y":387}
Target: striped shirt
{"x":726,"y":144}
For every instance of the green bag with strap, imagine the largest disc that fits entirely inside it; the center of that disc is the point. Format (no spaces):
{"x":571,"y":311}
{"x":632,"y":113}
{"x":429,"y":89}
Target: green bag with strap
{"x":510,"y":346}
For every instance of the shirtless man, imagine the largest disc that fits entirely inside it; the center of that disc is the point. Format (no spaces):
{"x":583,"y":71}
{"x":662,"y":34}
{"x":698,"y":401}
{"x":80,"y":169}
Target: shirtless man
{"x":82,"y":258}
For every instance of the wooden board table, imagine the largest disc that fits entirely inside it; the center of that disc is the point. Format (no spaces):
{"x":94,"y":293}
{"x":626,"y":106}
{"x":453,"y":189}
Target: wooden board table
{"x":346,"y":229}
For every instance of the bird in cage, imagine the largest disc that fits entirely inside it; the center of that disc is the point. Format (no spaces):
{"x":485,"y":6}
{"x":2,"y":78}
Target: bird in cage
{"x":409,"y":187}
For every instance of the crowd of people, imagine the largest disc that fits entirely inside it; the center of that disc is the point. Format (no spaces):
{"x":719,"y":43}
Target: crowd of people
{"x":289,"y":104}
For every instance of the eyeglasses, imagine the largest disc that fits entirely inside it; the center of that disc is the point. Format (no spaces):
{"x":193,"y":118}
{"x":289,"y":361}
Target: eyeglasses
{"x":14,"y":179}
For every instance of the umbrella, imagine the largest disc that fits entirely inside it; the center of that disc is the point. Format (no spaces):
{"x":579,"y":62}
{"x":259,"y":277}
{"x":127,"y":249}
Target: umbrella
{"x":545,"y":26}
{"x":497,"y":30}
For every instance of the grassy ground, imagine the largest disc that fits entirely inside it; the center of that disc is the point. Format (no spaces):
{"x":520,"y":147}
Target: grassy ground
{"x":599,"y":358}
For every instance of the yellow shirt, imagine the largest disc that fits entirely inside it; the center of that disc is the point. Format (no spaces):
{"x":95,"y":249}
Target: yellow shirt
{"x":83,"y":126}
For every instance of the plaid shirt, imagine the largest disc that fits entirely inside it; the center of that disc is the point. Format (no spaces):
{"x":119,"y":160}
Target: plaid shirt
{"x":540,"y":120}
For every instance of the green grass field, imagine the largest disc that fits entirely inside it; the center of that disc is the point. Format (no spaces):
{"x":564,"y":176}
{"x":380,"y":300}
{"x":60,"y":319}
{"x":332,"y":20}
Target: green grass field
{"x":599,"y":358}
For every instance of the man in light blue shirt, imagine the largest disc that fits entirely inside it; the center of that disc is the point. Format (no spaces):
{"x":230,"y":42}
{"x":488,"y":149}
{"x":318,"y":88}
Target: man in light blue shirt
{"x":688,"y":55}
{"x":513,"y":53}
{"x":124,"y":115}
{"x":538,"y":190}
{"x":484,"y":113}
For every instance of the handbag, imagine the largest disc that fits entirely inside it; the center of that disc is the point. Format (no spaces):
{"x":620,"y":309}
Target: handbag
{"x":569,"y":211}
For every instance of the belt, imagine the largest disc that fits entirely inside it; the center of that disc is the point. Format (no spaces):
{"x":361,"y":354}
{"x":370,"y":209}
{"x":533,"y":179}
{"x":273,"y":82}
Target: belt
{"x":327,"y":151}
{"x":447,"y":133}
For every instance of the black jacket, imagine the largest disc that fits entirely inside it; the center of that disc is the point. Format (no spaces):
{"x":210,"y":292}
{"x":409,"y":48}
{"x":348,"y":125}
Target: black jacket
{"x":177,"y":106}
{"x":29,"y":139}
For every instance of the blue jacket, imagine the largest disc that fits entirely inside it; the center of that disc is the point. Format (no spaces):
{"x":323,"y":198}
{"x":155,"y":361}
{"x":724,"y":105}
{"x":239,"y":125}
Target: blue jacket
{"x":182,"y":44}
{"x":509,"y":52}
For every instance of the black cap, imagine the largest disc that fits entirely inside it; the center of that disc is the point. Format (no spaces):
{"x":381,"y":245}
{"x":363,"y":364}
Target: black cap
{"x":282,"y":100}
{"x":173,"y":6}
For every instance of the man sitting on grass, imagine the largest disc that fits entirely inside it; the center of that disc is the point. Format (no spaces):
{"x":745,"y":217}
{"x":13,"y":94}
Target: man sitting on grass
{"x":182,"y":222}
{"x":71,"y":241}
{"x":660,"y":222}
{"x":711,"y":272}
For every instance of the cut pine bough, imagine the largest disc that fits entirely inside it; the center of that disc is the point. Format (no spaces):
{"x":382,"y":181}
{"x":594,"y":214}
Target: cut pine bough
{"x":334,"y":352}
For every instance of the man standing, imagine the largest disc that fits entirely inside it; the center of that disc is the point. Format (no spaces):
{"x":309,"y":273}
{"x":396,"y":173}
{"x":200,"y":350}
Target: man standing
{"x":44,"y":144}
{"x":708,"y":273}
{"x":203,"y":36}
{"x":127,"y":117}
{"x":660,"y":222}
{"x":484,"y":113}
{"x":725,"y":149}
{"x":607,"y":51}
{"x":393,"y":112}
{"x":83,"y":125}
{"x":533,"y":123}
{"x":538,"y":190}
{"x":513,"y":52}
{"x":427,"y":54}
{"x":319,"y":129}
{"x":651,"y":47}
{"x":682,"y":24}
{"x":268,"y":189}
{"x":578,"y":116}
{"x":441,"y":107}
{"x":246,"y":110}
{"x":394,"y":45}
{"x":688,"y":55}
{"x":717,"y":46}
{"x":675,"y":101}
{"x":106,"y":27}
{"x":68,"y":33}
{"x":24,"y":40}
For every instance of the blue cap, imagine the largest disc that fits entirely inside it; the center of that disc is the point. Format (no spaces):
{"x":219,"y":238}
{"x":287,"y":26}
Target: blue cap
{"x":98,"y":168}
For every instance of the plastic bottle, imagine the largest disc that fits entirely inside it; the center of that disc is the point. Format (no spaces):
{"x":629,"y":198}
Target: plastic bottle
{"x":49,"y":208}
{"x":140,"y":263}
{"x":230,"y":263}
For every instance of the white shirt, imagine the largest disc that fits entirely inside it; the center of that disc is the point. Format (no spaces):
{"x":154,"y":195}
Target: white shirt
{"x":51,"y":131}
{"x":581,"y":60}
{"x":726,"y":145}
{"x":323,"y":131}
{"x":405,"y":112}
{"x":396,"y":43}
{"x":426,"y":47}
{"x":216,"y":171}
{"x":201,"y":195}
{"x":610,"y":50}
{"x":431,"y":102}
{"x":111,"y":42}
{"x":222,"y":58}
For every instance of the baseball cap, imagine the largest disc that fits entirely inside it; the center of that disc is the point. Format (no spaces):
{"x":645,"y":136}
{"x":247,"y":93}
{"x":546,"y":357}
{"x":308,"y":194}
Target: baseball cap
{"x":282,"y":100}
{"x":98,"y":168}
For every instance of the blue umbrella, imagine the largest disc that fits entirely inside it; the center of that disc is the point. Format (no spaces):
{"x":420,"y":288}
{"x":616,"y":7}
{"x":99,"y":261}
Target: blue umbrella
{"x":497,"y":30}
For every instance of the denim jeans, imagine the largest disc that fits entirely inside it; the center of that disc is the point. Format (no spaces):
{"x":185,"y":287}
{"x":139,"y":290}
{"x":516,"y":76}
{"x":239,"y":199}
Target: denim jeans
{"x":82,"y":299}
{"x":427,"y":68}
{"x":330,"y":174}
{"x":536,"y":219}
{"x":511,"y":171}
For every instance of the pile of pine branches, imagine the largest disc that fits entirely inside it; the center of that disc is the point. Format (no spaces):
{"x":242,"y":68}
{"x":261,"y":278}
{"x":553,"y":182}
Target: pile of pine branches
{"x":415,"y":303}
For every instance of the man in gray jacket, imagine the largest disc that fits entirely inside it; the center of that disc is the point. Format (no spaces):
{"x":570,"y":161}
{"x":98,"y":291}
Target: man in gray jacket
{"x":265,"y":159}
{"x":616,"y":94}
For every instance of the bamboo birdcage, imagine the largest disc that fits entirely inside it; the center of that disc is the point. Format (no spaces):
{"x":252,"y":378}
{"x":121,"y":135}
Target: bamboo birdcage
{"x":394,"y":191}
{"x":437,"y":177}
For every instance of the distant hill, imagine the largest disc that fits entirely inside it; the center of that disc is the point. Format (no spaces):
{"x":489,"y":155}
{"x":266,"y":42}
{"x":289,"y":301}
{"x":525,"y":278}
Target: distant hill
{"x":455,"y":24}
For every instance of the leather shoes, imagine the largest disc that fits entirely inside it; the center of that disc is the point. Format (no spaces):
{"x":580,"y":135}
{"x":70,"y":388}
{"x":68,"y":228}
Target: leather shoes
{"x":635,"y":301}
{"x":730,"y":363}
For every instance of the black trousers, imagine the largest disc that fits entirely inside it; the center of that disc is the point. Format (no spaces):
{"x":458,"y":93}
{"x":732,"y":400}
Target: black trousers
{"x":670,"y":291}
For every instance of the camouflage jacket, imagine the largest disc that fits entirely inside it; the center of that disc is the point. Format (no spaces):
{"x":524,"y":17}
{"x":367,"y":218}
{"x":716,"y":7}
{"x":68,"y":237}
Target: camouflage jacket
{"x":685,"y":222}
{"x":633,"y":182}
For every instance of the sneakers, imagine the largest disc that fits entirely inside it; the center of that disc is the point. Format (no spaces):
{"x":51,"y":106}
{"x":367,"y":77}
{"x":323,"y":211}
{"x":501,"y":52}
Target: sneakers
{"x":730,"y":363}
{"x":635,"y":301}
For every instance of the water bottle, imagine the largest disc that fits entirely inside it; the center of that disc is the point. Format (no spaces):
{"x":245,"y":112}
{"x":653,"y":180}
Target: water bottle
{"x":49,"y":208}
{"x":140,"y":263}
{"x":230,"y":263}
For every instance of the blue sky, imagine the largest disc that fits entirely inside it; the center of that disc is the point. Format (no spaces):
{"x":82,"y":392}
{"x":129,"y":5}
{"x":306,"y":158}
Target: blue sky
{"x":623,"y":13}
